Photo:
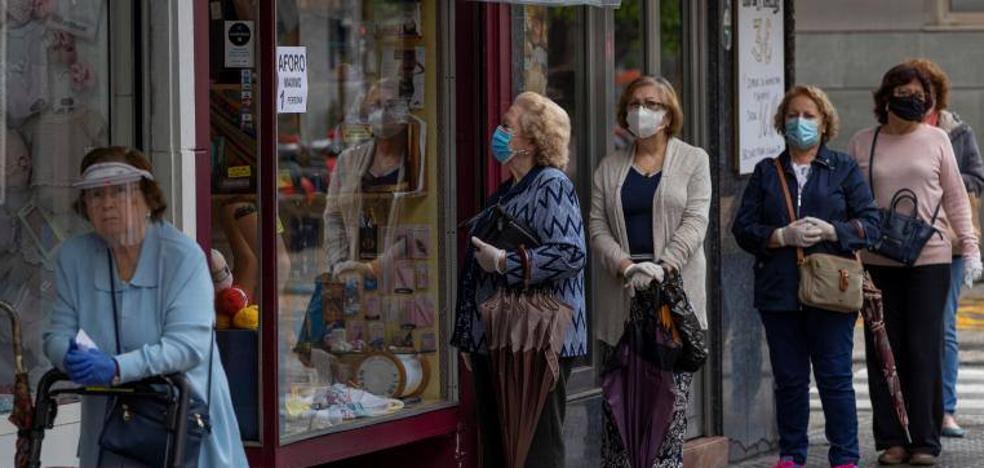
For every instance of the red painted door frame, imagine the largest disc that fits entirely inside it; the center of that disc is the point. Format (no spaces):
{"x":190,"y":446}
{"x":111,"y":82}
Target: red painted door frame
{"x":498,"y":72}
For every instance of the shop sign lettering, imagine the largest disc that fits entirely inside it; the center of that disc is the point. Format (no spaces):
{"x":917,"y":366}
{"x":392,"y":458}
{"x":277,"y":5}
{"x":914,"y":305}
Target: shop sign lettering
{"x":292,"y":85}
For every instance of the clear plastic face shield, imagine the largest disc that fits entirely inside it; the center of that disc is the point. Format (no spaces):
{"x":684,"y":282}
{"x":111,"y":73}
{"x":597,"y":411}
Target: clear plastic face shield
{"x":113,"y":202}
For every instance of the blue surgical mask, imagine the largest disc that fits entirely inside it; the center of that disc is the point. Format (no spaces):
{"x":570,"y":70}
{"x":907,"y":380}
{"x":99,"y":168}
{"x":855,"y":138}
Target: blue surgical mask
{"x":802,"y":133}
{"x":500,"y":145}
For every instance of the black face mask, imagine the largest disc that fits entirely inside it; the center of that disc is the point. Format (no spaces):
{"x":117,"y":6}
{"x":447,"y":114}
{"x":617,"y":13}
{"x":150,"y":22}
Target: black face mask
{"x":908,"y":108}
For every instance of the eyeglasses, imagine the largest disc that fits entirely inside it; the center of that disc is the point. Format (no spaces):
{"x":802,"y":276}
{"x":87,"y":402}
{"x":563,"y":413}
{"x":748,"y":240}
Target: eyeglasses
{"x":902,"y":92}
{"x":651,"y":105}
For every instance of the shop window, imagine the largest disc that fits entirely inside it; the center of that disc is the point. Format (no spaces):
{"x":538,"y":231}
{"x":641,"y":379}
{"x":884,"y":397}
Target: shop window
{"x":671,"y":43}
{"x":629,"y":58}
{"x":547,"y":44}
{"x":360,"y":309}
{"x":56,"y":108}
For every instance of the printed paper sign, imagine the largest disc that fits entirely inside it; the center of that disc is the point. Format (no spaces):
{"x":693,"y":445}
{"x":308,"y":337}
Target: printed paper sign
{"x":292,"y":85}
{"x":239,"y":44}
{"x":761,"y":82}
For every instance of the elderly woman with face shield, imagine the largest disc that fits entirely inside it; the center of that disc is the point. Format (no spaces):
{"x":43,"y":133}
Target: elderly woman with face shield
{"x":835,"y":216}
{"x":141,"y":290}
{"x":532,"y":143}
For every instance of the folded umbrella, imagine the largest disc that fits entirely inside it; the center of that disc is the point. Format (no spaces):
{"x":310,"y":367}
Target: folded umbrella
{"x":873,"y":312}
{"x":637,"y":381}
{"x":23,"y":413}
{"x":524,"y":332}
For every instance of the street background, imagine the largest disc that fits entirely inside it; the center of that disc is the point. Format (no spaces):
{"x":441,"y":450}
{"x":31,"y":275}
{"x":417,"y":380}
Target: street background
{"x":962,"y":453}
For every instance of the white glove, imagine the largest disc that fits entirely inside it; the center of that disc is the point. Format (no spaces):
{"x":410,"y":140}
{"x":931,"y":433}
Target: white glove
{"x":799,"y":233}
{"x":490,"y":258}
{"x":827,"y":231}
{"x":640,"y":276}
{"x":972,"y":270}
{"x":395,"y":251}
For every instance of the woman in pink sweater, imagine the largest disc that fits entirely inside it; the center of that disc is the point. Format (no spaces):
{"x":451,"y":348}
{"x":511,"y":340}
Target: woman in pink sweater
{"x":911,"y":155}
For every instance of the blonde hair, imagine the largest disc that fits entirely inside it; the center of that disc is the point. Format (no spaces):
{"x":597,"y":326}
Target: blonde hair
{"x":831,"y":123}
{"x":673,"y":110}
{"x":547,"y":125}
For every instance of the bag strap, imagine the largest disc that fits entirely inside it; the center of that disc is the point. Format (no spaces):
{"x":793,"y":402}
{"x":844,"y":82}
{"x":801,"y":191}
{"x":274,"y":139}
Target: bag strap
{"x":871,"y":162}
{"x":789,"y":202}
{"x":858,"y":226}
{"x":112,"y":289}
{"x":116,"y":329}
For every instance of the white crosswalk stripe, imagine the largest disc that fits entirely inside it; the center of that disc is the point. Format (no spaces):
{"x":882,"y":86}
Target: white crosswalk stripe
{"x":970,"y":389}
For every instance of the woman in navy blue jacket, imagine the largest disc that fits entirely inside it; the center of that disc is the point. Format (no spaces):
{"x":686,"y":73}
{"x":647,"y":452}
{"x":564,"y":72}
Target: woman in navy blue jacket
{"x":837,"y":215}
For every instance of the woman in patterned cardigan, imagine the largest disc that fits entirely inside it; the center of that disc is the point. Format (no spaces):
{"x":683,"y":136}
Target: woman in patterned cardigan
{"x":532,"y":143}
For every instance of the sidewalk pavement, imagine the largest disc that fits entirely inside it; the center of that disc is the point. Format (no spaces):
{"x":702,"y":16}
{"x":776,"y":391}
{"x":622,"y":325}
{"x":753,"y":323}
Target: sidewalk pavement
{"x":957,"y":453}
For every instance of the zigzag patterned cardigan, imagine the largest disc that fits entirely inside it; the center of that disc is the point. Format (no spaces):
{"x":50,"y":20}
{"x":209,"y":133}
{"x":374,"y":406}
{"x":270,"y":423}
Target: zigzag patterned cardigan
{"x":545,"y":200}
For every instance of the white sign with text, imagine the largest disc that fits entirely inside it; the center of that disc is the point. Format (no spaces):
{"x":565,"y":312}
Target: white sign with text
{"x":761,"y":80}
{"x":292,"y":82}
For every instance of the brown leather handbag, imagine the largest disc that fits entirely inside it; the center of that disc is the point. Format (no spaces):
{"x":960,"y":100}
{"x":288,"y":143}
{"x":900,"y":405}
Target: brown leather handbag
{"x":826,"y":281}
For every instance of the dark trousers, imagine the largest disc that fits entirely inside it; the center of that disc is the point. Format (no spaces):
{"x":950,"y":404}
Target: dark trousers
{"x":914,"y":299}
{"x":547,"y":449}
{"x":826,"y":339}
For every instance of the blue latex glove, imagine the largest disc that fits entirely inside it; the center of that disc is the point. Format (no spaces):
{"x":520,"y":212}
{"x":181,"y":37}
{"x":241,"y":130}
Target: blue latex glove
{"x":89,"y":368}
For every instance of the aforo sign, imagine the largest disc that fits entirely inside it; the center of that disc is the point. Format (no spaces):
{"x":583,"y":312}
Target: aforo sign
{"x":292,"y":83}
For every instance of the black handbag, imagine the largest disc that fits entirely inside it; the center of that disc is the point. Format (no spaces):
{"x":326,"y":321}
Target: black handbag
{"x":504,"y":231}
{"x":692,"y":335}
{"x":903,"y":236}
{"x":142,"y":427}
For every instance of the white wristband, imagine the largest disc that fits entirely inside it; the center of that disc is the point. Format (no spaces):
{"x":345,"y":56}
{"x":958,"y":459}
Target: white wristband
{"x":779,"y":237}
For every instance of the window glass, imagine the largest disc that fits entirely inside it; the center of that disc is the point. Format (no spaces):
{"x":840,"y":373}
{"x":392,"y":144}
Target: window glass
{"x":359,"y":308}
{"x":547,"y":53}
{"x":967,"y":6}
{"x":235,"y":255}
{"x":629,"y":60}
{"x":671,"y":43}
{"x":55,"y":109}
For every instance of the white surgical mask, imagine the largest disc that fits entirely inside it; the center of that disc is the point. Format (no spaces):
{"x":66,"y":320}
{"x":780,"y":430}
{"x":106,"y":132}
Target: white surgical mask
{"x":644,"y":123}
{"x":388,"y":121}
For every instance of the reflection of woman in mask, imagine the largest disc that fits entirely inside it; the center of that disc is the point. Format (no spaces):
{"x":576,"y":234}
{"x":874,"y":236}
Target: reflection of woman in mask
{"x":359,"y":228}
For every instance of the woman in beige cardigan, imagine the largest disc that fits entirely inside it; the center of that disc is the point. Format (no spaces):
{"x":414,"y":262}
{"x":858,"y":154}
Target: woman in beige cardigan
{"x":649,"y":209}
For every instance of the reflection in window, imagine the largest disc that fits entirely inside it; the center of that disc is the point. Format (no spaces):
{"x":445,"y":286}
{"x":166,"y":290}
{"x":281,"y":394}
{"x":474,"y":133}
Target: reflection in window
{"x":357,"y":197}
{"x":56,"y":109}
{"x":628,"y":58}
{"x":547,"y":41}
{"x":671,"y":42}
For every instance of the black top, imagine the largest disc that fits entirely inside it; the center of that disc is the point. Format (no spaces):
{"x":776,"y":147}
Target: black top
{"x":638,"y":191}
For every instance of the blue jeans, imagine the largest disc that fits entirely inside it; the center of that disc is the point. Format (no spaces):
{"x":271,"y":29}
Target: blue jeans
{"x":797,"y":338}
{"x":951,"y":349}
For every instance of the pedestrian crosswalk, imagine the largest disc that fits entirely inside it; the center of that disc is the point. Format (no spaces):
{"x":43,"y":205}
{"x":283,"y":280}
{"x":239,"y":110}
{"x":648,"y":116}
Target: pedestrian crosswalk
{"x":970,"y":389}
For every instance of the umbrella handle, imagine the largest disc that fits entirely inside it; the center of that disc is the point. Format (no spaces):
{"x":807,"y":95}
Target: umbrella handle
{"x":16,"y":327}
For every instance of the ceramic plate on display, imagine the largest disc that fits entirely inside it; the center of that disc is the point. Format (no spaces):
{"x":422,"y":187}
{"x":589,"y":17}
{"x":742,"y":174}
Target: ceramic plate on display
{"x":393,"y":375}
{"x":382,"y":374}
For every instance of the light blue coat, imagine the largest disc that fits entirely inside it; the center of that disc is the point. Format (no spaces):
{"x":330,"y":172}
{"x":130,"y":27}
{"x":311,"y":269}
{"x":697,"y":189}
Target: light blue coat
{"x":166,"y":315}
